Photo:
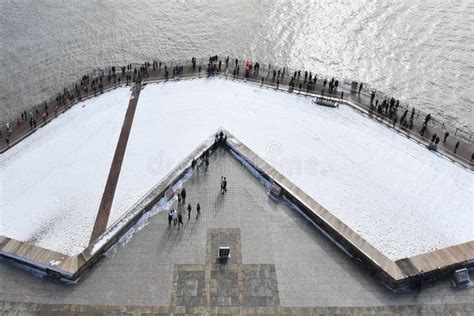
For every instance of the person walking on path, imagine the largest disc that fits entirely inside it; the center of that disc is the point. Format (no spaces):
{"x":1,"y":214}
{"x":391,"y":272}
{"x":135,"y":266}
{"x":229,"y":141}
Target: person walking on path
{"x":224,"y":185}
{"x":180,"y":218}
{"x":174,"y":214}
{"x":198,"y":210}
{"x":183,"y":196}
{"x":456,"y":147}
{"x":170,"y":217}
{"x":189,"y":211}
{"x":179,"y":199}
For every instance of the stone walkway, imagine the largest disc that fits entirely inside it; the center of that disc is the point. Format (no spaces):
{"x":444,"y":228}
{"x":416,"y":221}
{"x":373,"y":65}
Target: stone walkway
{"x":160,"y":269}
{"x":109,"y":192}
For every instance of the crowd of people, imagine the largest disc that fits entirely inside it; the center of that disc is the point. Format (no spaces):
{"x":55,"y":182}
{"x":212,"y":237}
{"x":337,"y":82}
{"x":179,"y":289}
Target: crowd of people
{"x":297,"y":80}
{"x":175,"y":216}
{"x":41,"y":114}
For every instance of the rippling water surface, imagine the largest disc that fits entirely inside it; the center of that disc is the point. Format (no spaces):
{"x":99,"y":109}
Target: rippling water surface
{"x":419,"y":51}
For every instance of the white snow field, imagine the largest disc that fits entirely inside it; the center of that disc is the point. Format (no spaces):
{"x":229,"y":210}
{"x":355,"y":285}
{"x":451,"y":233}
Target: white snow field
{"x":52,"y":182}
{"x":402,"y":198}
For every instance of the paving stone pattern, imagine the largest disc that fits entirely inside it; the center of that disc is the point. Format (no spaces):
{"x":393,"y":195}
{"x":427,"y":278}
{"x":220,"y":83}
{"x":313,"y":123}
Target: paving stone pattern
{"x":279,"y":251}
{"x":224,"y":283}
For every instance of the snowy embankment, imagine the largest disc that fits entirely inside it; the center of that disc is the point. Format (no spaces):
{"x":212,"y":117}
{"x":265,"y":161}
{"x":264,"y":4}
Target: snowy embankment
{"x":400,"y":197}
{"x":52,"y":182}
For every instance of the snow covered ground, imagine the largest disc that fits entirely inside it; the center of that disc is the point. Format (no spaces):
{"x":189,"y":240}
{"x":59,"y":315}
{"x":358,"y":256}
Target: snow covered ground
{"x":52,"y":182}
{"x":402,"y":198}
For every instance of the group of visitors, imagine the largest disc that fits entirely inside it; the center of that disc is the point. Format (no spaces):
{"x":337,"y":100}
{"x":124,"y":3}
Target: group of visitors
{"x":389,"y":109}
{"x":299,"y":79}
{"x":175,"y":217}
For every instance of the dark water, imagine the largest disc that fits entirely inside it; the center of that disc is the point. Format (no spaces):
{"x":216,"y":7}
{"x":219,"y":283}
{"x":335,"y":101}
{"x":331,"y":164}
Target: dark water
{"x":419,"y":51}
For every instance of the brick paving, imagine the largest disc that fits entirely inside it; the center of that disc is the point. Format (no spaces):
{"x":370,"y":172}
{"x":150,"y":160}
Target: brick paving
{"x":312,"y":275}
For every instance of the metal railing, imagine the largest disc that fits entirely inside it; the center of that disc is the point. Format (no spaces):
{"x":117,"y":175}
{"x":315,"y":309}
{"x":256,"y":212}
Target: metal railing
{"x":345,"y":84}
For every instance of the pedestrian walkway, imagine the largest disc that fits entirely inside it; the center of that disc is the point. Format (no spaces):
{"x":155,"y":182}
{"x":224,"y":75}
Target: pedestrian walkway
{"x":361,"y":101}
{"x":108,"y":196}
{"x":160,"y":269}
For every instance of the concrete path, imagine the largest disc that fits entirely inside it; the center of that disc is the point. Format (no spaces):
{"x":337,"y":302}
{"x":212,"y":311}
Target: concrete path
{"x":108,"y":196}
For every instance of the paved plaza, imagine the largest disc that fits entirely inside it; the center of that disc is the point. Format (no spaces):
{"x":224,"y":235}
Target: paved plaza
{"x":280,"y":263}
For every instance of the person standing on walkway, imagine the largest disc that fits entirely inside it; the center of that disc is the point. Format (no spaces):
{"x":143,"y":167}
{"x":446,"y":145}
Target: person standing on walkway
{"x":423,"y":128}
{"x":456,"y":147}
{"x":445,"y":137}
{"x":224,"y":185}
{"x":206,"y":164}
{"x":189,"y":211}
{"x":198,"y":210}
{"x":183,"y":195}
{"x":174,"y":214}
{"x":170,"y":217}
{"x":420,"y":279}
{"x":427,"y":118}
{"x":180,"y":218}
